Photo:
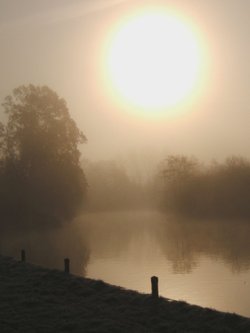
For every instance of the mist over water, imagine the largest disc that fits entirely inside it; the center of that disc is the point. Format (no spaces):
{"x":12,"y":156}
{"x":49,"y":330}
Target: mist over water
{"x":48,"y":247}
{"x":203,"y":262}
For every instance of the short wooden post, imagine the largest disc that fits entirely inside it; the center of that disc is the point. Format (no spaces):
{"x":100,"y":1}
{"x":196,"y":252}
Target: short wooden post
{"x":23,"y":256}
{"x":66,"y":265}
{"x":154,"y":286}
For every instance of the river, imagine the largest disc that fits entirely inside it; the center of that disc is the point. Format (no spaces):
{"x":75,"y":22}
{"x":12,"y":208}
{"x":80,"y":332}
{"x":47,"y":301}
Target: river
{"x":201,"y":262}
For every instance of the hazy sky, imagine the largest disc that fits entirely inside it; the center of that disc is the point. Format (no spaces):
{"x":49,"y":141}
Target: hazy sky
{"x":60,"y":43}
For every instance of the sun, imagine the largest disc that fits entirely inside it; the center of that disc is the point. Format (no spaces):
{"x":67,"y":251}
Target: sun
{"x":153,"y":60}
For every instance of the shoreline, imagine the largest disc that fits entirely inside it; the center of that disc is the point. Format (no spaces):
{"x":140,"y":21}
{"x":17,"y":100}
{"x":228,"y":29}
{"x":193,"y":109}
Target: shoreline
{"x":36,"y":299}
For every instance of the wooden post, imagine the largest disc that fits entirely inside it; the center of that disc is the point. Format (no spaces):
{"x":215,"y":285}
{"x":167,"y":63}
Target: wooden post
{"x":154,"y":286}
{"x":66,"y":265}
{"x":23,"y":256}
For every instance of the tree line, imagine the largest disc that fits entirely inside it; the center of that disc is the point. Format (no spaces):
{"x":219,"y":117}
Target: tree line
{"x":42,"y":182}
{"x":111,"y":188}
{"x":188,"y":187}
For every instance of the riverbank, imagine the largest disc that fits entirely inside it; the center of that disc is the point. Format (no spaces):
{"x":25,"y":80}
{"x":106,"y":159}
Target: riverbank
{"x":35,"y":299}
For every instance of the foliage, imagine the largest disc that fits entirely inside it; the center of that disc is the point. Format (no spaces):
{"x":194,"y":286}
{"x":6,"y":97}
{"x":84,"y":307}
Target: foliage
{"x":177,"y":175}
{"x":220,"y":189}
{"x":41,"y":178}
{"x":110,"y":187}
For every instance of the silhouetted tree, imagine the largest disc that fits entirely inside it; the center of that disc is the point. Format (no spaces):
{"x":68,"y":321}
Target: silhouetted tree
{"x":42,"y":181}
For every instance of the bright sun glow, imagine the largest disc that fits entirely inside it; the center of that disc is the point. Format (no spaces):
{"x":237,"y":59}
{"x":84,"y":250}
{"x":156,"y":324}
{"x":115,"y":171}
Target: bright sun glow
{"x":154,"y":60}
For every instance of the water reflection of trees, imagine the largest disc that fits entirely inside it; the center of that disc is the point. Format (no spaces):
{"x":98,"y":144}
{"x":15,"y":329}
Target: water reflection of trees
{"x":183,"y":242}
{"x":48,"y":248}
{"x":110,"y":234}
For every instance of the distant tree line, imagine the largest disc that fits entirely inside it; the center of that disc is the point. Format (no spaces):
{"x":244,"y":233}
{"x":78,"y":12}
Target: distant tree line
{"x":188,"y":187}
{"x":110,"y":188}
{"x":41,"y":181}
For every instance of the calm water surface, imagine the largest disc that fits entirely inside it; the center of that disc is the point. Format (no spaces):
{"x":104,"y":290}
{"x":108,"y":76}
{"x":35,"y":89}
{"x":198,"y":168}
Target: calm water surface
{"x":205,"y":263}
{"x":202,"y":262}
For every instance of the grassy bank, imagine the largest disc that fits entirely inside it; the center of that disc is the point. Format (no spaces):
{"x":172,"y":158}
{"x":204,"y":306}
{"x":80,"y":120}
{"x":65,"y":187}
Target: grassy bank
{"x":34,"y":299}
